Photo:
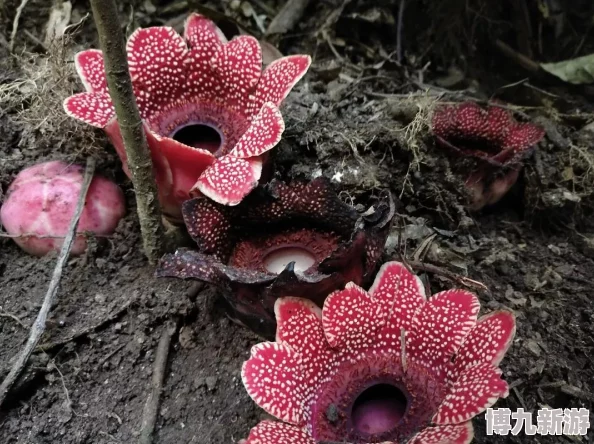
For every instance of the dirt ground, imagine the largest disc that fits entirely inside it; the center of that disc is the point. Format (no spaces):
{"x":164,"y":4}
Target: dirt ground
{"x":360,"y":118}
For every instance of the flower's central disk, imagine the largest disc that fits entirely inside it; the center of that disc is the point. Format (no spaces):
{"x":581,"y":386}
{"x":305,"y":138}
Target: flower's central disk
{"x":277,"y":260}
{"x":378,"y":409}
{"x":199,"y":136}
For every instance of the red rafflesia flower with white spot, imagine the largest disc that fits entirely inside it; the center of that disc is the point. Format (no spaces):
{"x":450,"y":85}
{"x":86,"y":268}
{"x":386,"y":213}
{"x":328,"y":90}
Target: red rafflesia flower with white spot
{"x":41,"y":201}
{"x":491,"y":136}
{"x":210,"y":113}
{"x":388,"y":365}
{"x":294,"y":239}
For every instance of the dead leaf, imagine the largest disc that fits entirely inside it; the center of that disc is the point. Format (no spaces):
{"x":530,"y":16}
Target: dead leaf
{"x":270,"y":53}
{"x":577,"y":71}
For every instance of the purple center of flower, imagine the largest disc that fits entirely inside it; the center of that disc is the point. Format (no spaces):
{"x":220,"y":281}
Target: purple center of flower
{"x":201,"y":136}
{"x":278,"y":259}
{"x":378,"y":409}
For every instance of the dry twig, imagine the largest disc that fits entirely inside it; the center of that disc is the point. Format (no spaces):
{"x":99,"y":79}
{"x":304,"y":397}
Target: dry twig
{"x":111,"y":40}
{"x":462,"y":280}
{"x":15,"y":24}
{"x":38,"y":327}
{"x":151,"y":407}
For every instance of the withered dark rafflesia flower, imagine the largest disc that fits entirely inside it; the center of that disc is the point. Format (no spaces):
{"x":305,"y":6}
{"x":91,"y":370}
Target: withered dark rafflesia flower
{"x":385,"y":366}
{"x":209,"y":110}
{"x":295,"y":239}
{"x":491,"y":136}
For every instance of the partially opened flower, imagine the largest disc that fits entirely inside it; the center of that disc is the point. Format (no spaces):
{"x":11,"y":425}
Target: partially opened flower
{"x":298,"y":239}
{"x":209,"y":111}
{"x":388,"y":365}
{"x":491,"y":136}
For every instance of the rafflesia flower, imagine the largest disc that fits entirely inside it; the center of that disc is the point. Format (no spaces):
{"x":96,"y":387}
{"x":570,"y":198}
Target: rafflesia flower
{"x":387,"y":365}
{"x":41,"y":202}
{"x":494,"y":139}
{"x":210,"y":113}
{"x":298,"y":239}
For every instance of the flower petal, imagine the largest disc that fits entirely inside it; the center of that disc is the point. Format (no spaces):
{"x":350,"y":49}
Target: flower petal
{"x":299,"y":326}
{"x":187,"y":264}
{"x":350,"y":318}
{"x":229,"y":179}
{"x":186,"y":164}
{"x":91,"y":70}
{"x":440,"y":327}
{"x":401,"y":294}
{"x":470,"y":119}
{"x":263,"y":134}
{"x":356,"y":318}
{"x":274,"y":380}
{"x":447,"y":434}
{"x":442,"y":122}
{"x":476,"y":389}
{"x":95,"y":109}
{"x":271,"y":432}
{"x":156,"y":57}
{"x":209,"y":225}
{"x":278,"y":79}
{"x":204,"y":39}
{"x":203,"y":34}
{"x":487,"y":342}
{"x":497,"y":124}
{"x":239,"y":66}
{"x":523,"y":136}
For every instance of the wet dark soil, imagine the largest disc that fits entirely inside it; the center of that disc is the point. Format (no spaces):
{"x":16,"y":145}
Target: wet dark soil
{"x":360,"y":119}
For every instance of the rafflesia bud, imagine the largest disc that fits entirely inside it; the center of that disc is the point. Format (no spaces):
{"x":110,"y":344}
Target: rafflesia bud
{"x":41,"y":202}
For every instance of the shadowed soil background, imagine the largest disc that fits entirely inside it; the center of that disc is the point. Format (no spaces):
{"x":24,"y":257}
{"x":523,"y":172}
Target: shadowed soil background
{"x":360,"y":117}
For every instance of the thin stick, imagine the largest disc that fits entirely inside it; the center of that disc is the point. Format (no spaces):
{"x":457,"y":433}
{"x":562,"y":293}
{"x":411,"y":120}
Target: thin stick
{"x":463,"y":280}
{"x":525,"y":62}
{"x":15,"y":24}
{"x":111,"y":40}
{"x":39,"y":325}
{"x":151,"y":407}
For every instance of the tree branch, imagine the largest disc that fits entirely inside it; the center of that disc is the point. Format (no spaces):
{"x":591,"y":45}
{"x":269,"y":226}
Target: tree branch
{"x":111,"y":40}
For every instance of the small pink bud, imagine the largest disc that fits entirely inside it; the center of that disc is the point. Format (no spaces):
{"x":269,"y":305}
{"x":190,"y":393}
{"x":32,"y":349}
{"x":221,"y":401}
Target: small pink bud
{"x":41,"y":201}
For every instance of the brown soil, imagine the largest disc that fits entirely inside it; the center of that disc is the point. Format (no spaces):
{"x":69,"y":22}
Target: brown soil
{"x":352,"y":119}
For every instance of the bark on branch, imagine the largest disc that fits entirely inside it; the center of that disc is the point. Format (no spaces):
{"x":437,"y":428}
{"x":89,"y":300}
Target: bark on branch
{"x":111,"y":40}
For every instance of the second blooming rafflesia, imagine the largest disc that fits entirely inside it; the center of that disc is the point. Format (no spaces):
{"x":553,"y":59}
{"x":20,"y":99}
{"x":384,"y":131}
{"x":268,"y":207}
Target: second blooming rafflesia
{"x":210,"y":113}
{"x":386,"y":366}
{"x":298,"y":239}
{"x":492,"y":137}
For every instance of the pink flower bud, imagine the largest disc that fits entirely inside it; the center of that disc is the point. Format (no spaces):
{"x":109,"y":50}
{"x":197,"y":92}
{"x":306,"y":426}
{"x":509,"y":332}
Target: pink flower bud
{"x":41,"y":202}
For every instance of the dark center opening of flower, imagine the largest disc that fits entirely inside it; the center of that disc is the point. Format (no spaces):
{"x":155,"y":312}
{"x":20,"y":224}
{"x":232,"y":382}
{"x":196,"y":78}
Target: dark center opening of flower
{"x":278,"y":259}
{"x":378,"y":409}
{"x":199,"y":136}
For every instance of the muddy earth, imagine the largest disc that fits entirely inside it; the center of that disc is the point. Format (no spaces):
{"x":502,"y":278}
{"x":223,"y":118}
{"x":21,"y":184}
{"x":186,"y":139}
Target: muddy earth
{"x":361,"y":118}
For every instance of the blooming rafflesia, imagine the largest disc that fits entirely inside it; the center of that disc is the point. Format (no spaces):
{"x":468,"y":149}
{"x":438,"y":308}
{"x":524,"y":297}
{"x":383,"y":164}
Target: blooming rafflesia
{"x":209,"y":111}
{"x":298,"y":239}
{"x":494,"y":139}
{"x":388,"y":365}
{"x":41,"y":202}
